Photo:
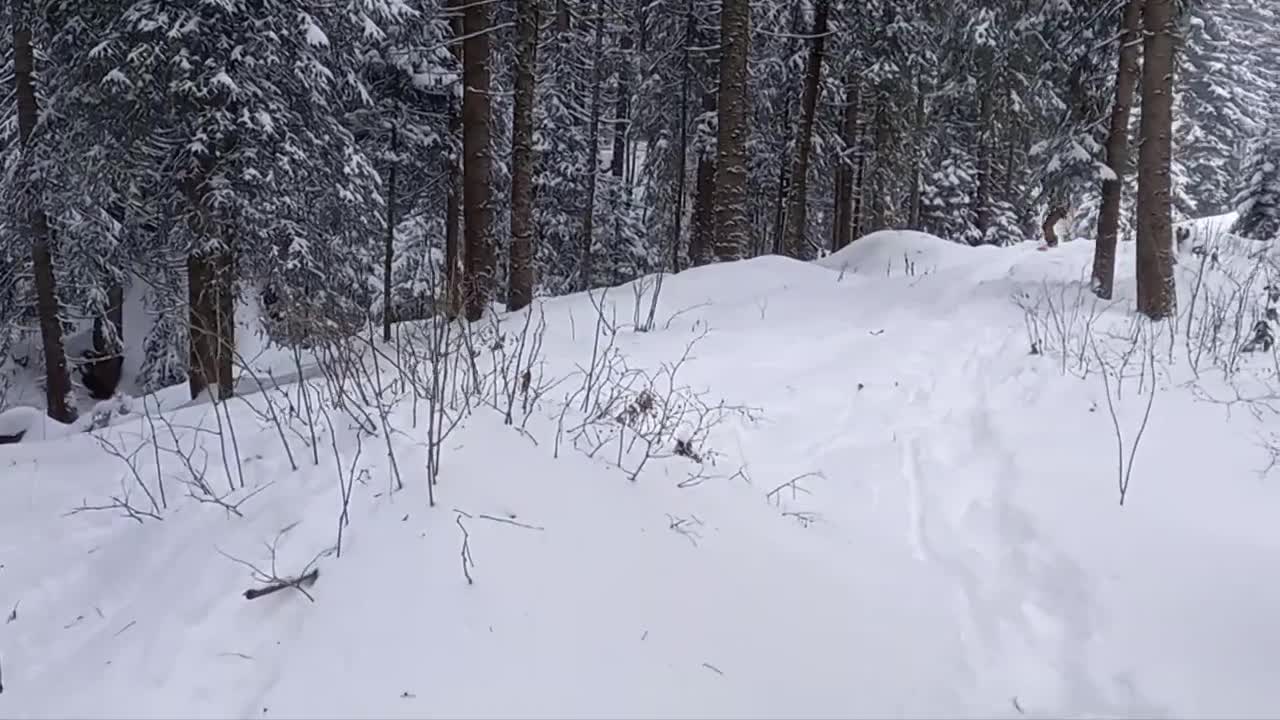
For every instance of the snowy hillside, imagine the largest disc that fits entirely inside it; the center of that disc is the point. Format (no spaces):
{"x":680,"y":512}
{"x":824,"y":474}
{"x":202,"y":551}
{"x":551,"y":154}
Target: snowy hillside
{"x":865,"y":496}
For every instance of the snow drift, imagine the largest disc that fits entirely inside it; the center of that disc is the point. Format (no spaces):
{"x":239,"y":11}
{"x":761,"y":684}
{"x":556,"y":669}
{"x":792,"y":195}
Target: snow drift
{"x":901,"y":511}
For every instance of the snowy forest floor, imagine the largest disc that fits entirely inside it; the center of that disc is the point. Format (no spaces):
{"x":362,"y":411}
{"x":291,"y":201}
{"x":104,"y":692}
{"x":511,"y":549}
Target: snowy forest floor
{"x":899,"y":511}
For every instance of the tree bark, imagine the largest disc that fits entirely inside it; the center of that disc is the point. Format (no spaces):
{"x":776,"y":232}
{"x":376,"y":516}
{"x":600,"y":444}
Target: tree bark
{"x":842,"y":228}
{"x":57,"y":385}
{"x":797,"y":243}
{"x":733,"y":227}
{"x":481,"y":256}
{"x":622,"y":108}
{"x":210,"y":293}
{"x":593,"y":155}
{"x":1104,"y":254}
{"x":102,"y":373}
{"x":880,"y":179}
{"x":453,"y":255}
{"x":520,"y":278}
{"x":388,"y":254}
{"x":1156,"y":294}
{"x":682,"y":152}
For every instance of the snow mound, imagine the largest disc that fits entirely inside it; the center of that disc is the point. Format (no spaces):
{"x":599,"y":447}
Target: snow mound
{"x":899,"y":511}
{"x":884,"y":249}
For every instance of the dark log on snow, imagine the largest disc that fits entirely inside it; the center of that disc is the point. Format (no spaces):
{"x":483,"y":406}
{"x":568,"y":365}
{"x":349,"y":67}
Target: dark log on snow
{"x":307,"y":580}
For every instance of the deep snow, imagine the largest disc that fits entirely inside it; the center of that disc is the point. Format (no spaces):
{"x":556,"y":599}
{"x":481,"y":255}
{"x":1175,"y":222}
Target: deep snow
{"x":955,"y":546}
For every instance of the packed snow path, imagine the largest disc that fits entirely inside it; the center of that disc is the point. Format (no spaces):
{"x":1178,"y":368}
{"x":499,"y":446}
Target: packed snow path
{"x":951,"y":544}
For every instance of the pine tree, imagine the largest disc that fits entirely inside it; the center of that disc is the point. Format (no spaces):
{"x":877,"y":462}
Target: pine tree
{"x":1258,"y":202}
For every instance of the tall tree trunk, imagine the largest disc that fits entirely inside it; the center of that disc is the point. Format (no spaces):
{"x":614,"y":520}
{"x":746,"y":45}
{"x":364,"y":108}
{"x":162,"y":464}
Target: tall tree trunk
{"x":702,"y":240}
{"x":592,"y":169}
{"x":453,"y":254}
{"x":842,"y":230}
{"x":916,"y":201}
{"x":682,"y":152}
{"x":388,"y":254}
{"x":622,"y":109}
{"x":880,"y":178}
{"x":481,"y":256}
{"x":1156,"y":294}
{"x":733,"y":227}
{"x":797,"y":242}
{"x":57,"y":386}
{"x":520,"y":278}
{"x":210,"y":288}
{"x":1104,"y":254}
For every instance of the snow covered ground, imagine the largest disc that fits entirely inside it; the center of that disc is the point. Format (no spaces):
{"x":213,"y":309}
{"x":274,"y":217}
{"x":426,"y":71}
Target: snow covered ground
{"x":902,"y":512}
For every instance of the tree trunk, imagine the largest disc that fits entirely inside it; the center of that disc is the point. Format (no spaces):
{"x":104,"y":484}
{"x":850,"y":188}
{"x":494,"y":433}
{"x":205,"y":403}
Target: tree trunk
{"x":102,"y":373}
{"x":212,"y":327}
{"x":733,"y":227}
{"x":702,"y":244}
{"x":520,"y":278}
{"x":1156,"y":294}
{"x":593,"y":154}
{"x":880,"y":179}
{"x":388,"y":254}
{"x":842,"y":230}
{"x":622,"y":109}
{"x":1104,"y":254}
{"x":778,"y":246}
{"x":481,"y":256}
{"x":57,"y":387}
{"x":682,"y":169}
{"x":453,"y":255}
{"x":797,"y":242}
{"x":210,"y":288}
{"x":916,"y":201}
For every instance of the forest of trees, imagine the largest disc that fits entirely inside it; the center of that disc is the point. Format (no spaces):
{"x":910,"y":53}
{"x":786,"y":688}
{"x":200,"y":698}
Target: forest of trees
{"x":382,"y":159}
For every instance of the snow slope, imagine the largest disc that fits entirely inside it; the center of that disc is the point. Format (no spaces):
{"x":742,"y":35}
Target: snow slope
{"x":953,"y":545}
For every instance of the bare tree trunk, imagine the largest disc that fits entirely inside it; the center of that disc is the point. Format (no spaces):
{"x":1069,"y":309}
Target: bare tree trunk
{"x":797,"y":242}
{"x":916,"y":200}
{"x":702,"y":244}
{"x":682,"y":169}
{"x":778,"y":246}
{"x":481,"y":256}
{"x":842,"y":231}
{"x":1104,"y":254}
{"x":102,"y":373}
{"x":57,"y":387}
{"x":622,"y":108}
{"x":702,"y":237}
{"x":880,"y":180}
{"x":733,"y":227}
{"x":453,"y":255}
{"x":1156,"y":294}
{"x":593,"y":154}
{"x":857,"y":220}
{"x":521,"y":278}
{"x":200,"y":358}
{"x":210,"y":293}
{"x":388,"y":254}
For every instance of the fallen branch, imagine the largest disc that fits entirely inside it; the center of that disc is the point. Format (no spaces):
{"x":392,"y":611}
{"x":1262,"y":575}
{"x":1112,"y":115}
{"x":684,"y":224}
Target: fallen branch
{"x":297,"y":583}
